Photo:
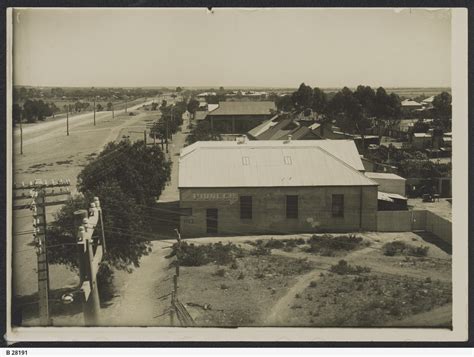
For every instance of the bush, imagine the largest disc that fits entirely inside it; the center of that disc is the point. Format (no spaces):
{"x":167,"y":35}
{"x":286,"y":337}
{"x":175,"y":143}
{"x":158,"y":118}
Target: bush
{"x":401,"y":248}
{"x":344,"y":268}
{"x":313,"y":284}
{"x":197,"y":255}
{"x":274,"y":244}
{"x":328,"y":246}
{"x":220,"y":272}
{"x":261,"y":250}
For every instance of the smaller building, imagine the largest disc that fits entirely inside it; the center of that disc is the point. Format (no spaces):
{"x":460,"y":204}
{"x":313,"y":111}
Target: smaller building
{"x":240,"y":117}
{"x":278,"y":128}
{"x":392,"y":191}
{"x":421,"y":141}
{"x":409,"y":105}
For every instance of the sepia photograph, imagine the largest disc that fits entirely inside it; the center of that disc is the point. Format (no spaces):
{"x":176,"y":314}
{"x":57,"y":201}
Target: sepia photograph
{"x":279,"y":168}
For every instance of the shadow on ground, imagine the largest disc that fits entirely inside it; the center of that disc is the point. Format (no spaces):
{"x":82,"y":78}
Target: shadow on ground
{"x":434,"y":239}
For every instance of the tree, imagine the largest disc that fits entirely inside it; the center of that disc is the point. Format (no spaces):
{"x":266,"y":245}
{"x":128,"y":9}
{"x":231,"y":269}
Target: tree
{"x":109,"y":106}
{"x":127,"y":178}
{"x":99,"y":107}
{"x":192,"y":106}
{"x":319,"y":101}
{"x":154,"y":106}
{"x":53,"y":108}
{"x":303,"y":97}
{"x":140,"y":172}
{"x":16,"y":113}
{"x":284,"y":103}
{"x":202,"y":132}
{"x":442,"y":106}
{"x":420,"y":127}
{"x":178,"y":89}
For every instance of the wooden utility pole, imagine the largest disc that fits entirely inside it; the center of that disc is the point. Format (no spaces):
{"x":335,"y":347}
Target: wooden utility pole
{"x":67,"y":121}
{"x":38,"y":193}
{"x":21,"y":133}
{"x":94,"y":109}
{"x":113,"y":113}
{"x":90,"y":255}
{"x":144,"y":136}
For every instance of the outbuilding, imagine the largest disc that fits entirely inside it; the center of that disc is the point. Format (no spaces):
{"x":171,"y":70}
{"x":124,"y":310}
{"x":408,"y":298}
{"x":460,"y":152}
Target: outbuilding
{"x":274,"y":187}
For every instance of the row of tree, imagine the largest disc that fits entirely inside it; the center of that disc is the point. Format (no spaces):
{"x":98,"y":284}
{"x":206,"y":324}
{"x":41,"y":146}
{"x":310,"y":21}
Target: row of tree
{"x":170,"y":121}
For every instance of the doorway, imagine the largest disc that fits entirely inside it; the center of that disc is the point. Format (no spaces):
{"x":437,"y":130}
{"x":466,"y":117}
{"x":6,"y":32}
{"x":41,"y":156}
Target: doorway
{"x":211,"y":220}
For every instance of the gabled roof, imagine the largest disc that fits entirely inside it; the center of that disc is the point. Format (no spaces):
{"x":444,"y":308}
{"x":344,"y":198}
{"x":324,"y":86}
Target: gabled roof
{"x":410,"y":103}
{"x":244,"y":108}
{"x":275,"y":129}
{"x":259,"y":129}
{"x":271,"y":164}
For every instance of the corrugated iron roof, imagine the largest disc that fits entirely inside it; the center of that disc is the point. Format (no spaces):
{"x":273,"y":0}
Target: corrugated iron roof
{"x":259,"y":129}
{"x":268,"y":164}
{"x":244,"y":108}
{"x":343,"y":149}
{"x":383,"y":175}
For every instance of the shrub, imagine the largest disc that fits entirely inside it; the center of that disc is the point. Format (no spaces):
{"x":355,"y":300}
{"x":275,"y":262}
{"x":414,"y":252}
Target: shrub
{"x":261,"y":250}
{"x":313,"y":284}
{"x":274,"y":244}
{"x":402,"y":248}
{"x":241,"y":276}
{"x":327,"y":245}
{"x":343,"y":268}
{"x":224,"y":287}
{"x":197,"y":255}
{"x":220,"y":272}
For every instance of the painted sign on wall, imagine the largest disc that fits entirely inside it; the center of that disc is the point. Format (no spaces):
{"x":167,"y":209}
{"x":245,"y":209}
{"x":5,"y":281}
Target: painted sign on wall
{"x":216,"y":196}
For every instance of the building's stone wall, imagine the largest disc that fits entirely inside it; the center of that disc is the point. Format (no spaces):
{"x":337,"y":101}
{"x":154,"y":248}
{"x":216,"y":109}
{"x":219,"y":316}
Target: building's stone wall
{"x":269,"y":210}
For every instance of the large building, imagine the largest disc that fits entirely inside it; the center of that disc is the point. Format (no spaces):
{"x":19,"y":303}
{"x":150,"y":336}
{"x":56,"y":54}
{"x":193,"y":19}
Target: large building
{"x":274,"y":187}
{"x":240,"y":117}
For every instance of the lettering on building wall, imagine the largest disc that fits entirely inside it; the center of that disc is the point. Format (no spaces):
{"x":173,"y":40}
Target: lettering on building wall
{"x":213,"y":196}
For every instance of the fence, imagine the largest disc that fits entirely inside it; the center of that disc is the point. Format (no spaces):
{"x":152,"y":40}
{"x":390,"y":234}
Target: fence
{"x":415,"y":220}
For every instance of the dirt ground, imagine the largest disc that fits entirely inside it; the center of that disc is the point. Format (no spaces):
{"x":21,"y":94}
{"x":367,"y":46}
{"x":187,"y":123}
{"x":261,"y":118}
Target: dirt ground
{"x":419,"y":284}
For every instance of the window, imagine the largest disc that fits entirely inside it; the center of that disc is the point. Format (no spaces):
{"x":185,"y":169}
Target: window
{"x":245,"y":160}
{"x":338,"y":205}
{"x":291,"y":206}
{"x":245,"y":207}
{"x":287,"y":160}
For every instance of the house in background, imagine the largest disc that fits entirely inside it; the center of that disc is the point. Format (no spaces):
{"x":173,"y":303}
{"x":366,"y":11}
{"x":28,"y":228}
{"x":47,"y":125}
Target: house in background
{"x":278,"y":128}
{"x":391,"y":192}
{"x":279,"y":187}
{"x":240,"y":117}
{"x":409,"y":105}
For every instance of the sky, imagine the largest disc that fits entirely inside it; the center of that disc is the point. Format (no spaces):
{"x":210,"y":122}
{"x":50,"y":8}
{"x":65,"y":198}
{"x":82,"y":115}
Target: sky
{"x":232,"y":47}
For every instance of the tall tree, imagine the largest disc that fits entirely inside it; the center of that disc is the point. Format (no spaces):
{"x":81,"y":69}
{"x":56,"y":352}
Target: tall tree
{"x":192,"y":106}
{"x":319,"y":101}
{"x":303,"y":97}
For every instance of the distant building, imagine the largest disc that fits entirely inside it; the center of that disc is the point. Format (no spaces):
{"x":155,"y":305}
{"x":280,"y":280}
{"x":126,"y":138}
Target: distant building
{"x":240,"y":117}
{"x":421,"y":141}
{"x":274,"y":187}
{"x":279,"y":128}
{"x":409,"y":105}
{"x":391,"y":192}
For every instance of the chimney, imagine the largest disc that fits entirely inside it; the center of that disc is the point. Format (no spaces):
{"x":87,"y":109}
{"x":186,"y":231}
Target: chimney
{"x":289,"y":139}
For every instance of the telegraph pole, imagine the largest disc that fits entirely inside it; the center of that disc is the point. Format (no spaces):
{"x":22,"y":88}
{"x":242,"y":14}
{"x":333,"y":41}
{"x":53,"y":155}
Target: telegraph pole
{"x":113,"y":114}
{"x":67,"y":120}
{"x":38,"y":193}
{"x":89,"y":259}
{"x":21,"y":133}
{"x":94,"y":109}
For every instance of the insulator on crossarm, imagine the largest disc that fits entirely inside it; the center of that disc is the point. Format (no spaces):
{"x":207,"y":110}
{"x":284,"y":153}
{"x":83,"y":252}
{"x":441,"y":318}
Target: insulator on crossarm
{"x":80,"y":234}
